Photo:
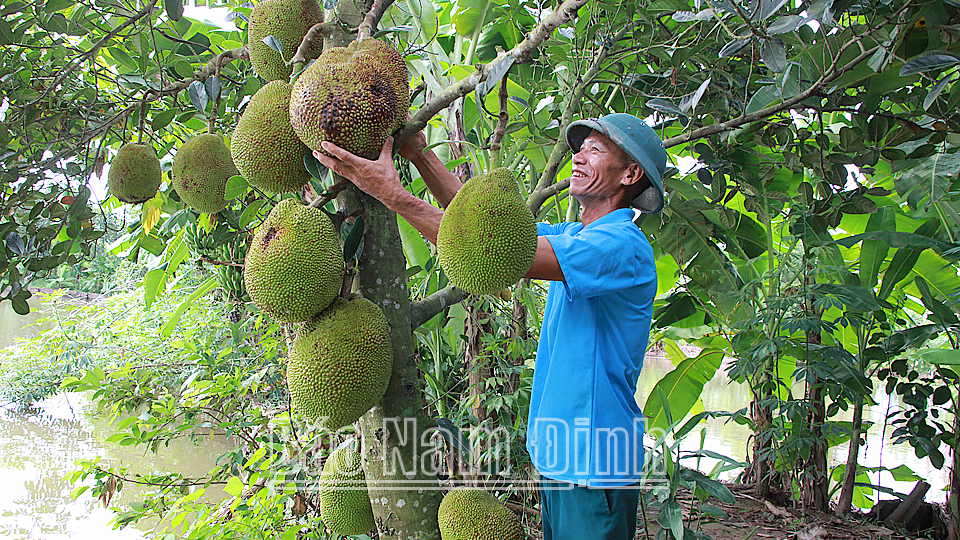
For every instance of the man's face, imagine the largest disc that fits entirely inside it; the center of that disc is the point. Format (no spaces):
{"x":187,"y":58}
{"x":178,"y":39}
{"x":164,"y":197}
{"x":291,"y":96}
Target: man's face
{"x":598,"y":168}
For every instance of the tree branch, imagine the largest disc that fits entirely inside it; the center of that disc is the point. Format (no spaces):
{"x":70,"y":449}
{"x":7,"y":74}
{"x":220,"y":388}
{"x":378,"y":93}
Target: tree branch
{"x":317,"y":31}
{"x":549,"y":174}
{"x":538,"y":197}
{"x":373,"y":17}
{"x":422,"y":311}
{"x":566,"y":12}
{"x":147,"y":9}
{"x":828,"y":77}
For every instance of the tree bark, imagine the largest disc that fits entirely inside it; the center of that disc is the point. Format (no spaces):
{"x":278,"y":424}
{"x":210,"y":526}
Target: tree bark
{"x":850,"y":471}
{"x":815,"y":481}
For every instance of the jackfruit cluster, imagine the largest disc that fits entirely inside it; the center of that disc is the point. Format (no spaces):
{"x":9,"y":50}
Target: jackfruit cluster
{"x":288,"y":21}
{"x":201,"y":168}
{"x":134,"y":175}
{"x":474,"y":514}
{"x":265,"y":148}
{"x":294,"y":266}
{"x":353,"y":96}
{"x":339,"y":364}
{"x":487,"y":237}
{"x":344,"y":503}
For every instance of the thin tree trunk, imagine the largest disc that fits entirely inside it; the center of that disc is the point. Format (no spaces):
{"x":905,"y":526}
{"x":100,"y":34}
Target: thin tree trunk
{"x":953,"y":503}
{"x":477,"y":362}
{"x":850,"y":471}
{"x":814,"y":486}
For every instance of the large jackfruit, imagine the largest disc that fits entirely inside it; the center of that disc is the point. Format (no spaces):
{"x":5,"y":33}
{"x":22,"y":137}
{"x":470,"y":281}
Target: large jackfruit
{"x":474,"y":514}
{"x":294,"y":266}
{"x":201,"y":168}
{"x":134,"y":175}
{"x":487,"y":237}
{"x":264,"y":146}
{"x":344,"y":503}
{"x":288,"y":21}
{"x":340,"y":363}
{"x":353,"y":96}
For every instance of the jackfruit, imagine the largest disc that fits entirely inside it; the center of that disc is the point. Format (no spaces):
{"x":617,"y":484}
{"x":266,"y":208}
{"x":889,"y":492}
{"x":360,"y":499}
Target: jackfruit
{"x":487,"y":237}
{"x":344,"y":503}
{"x":201,"y":168}
{"x":134,"y":175}
{"x":294,"y":266}
{"x":474,"y":514}
{"x":340,"y":363}
{"x":353,"y":96}
{"x":264,"y":146}
{"x":288,"y":21}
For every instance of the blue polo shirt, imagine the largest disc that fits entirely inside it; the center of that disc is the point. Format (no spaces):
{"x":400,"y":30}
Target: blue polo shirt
{"x":585,"y":425}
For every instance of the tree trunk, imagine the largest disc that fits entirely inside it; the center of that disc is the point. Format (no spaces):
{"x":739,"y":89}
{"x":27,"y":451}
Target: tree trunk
{"x":518,"y":332}
{"x":396,"y":448}
{"x":477,"y":362}
{"x":815,"y":481}
{"x":953,"y":503}
{"x":850,"y":471}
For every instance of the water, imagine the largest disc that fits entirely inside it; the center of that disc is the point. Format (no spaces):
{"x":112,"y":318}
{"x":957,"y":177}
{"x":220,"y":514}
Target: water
{"x":732,"y":439}
{"x":39,"y":446}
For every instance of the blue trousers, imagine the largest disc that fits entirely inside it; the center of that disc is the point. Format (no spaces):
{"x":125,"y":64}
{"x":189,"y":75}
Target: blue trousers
{"x":571,"y":512}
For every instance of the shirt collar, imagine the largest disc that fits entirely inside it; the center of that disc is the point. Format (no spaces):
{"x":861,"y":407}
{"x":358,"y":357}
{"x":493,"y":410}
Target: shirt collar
{"x":619,"y":215}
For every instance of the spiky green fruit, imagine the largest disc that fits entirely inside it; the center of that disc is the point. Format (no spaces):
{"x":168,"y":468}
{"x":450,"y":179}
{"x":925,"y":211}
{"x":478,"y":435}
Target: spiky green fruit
{"x":294,"y":266}
{"x":487,"y":237}
{"x":288,"y":21}
{"x":344,"y":503}
{"x":201,"y":168}
{"x":353,"y":96}
{"x":134,"y":175}
{"x":264,"y":146}
{"x":340,"y":363}
{"x":474,"y":514}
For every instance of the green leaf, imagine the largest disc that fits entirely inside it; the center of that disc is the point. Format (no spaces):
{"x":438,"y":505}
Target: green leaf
{"x":874,"y":252}
{"x":236,"y":186}
{"x":709,"y":485}
{"x":20,"y":306}
{"x":151,"y":285}
{"x":212,"y":87}
{"x":852,"y":297}
{"x":314,"y":167}
{"x":940,"y":357}
{"x":681,"y":388}
{"x":928,"y":179}
{"x":937,"y":89}
{"x":774,"y":55}
{"x":941,"y":313}
{"x":763,"y":98}
{"x":174,"y":9}
{"x":250,"y":212}
{"x":234,"y":486}
{"x":671,"y":518}
{"x":664,"y":106}
{"x":897,"y":240}
{"x":274,"y":43}
{"x":733,"y":47}
{"x":414,"y":246}
{"x":904,"y":260}
{"x":57,"y":5}
{"x":353,"y":239}
{"x":769,"y":7}
{"x":785,"y":25}
{"x":198,"y":95}
{"x":162,"y":119}
{"x":201,"y":290}
{"x":928,"y":61}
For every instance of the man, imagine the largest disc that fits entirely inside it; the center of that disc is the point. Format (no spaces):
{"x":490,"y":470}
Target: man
{"x":585,"y":429}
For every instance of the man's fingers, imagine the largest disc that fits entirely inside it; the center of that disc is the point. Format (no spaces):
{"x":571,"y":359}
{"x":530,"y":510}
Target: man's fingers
{"x":387,"y":148}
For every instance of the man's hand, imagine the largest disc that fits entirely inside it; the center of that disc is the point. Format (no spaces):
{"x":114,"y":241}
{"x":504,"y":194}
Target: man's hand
{"x":379,"y":178}
{"x":414,"y":147}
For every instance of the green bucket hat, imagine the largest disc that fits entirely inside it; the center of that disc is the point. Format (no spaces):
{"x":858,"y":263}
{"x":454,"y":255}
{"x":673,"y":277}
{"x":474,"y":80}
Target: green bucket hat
{"x":639,"y":141}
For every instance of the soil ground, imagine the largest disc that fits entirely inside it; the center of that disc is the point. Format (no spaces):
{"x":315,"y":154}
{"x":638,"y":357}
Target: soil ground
{"x":753,"y":519}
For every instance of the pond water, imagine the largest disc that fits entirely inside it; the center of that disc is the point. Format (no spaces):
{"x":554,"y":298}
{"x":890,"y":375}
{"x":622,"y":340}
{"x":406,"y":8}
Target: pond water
{"x":732,"y":439}
{"x":39,"y":446}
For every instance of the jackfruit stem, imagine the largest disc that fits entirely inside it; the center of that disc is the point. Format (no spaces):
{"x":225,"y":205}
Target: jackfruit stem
{"x":319,"y":30}
{"x":143,"y":118}
{"x":372,"y":19}
{"x":211,"y":123}
{"x":329,"y":194}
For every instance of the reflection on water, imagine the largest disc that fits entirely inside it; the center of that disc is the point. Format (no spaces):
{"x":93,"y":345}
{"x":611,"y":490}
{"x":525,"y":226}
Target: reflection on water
{"x":39,"y":446}
{"x":731,"y":439}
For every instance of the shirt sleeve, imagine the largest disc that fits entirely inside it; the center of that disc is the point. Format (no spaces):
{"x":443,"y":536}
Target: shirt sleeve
{"x":603,"y":259}
{"x":547,"y":229}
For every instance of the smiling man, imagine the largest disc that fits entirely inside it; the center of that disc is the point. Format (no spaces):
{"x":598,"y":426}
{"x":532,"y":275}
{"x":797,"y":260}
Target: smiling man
{"x":585,"y":429}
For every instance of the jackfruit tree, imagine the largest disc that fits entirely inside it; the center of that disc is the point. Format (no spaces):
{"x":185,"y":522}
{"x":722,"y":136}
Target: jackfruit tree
{"x":775,"y":103}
